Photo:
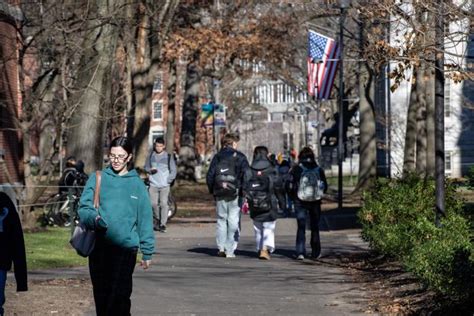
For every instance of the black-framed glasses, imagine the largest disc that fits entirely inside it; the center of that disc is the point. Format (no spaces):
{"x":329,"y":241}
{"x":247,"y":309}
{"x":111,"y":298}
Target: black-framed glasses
{"x":120,"y":158}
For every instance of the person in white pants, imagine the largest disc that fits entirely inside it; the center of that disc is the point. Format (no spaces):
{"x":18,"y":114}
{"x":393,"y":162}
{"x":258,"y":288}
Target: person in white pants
{"x":261,"y":185}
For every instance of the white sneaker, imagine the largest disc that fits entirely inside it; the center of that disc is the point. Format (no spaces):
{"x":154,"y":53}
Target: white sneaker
{"x":230,"y":255}
{"x":300,"y":257}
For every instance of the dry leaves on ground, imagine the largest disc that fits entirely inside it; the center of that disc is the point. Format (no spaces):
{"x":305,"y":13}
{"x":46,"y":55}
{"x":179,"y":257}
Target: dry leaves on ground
{"x":50,"y":297}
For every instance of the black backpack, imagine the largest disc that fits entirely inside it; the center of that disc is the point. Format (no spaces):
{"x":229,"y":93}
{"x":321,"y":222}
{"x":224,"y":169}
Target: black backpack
{"x":226,"y":183}
{"x":259,"y":190}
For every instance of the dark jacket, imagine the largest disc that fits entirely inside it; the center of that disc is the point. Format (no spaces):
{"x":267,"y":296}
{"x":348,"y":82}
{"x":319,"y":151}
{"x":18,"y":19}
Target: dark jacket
{"x":267,"y":168}
{"x":12,"y":245}
{"x":241,"y":165}
{"x":295,"y":175}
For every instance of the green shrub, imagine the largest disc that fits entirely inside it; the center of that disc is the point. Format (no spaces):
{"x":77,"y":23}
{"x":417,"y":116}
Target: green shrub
{"x":398,"y":220}
{"x":470,"y":177}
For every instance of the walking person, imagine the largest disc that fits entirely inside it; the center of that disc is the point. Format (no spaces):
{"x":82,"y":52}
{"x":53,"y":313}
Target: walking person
{"x":123,"y":225}
{"x":12,"y":247}
{"x":224,"y":181}
{"x":69,"y":175}
{"x":306,"y":189}
{"x":261,"y":185}
{"x":161,"y":168}
{"x":284,"y":173}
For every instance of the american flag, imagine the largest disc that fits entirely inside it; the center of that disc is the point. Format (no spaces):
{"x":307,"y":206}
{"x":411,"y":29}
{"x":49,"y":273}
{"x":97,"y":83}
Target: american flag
{"x":322,"y":67}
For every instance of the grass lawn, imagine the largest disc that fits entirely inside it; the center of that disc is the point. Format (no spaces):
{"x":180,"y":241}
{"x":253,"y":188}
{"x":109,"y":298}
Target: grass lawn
{"x":50,"y":249}
{"x":193,"y":200}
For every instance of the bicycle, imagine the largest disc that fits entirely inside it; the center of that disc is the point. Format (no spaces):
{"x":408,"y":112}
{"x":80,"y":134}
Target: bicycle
{"x":57,"y":209}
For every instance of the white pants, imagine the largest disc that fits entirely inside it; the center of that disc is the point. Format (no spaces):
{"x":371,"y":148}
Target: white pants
{"x":264,"y":235}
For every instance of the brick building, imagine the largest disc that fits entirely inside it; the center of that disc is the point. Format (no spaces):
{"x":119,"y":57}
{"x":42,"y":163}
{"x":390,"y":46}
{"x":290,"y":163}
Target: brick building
{"x":10,"y":97}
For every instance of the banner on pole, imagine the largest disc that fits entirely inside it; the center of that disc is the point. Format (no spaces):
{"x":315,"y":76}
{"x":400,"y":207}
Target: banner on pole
{"x":207,"y":116}
{"x":212,"y":114}
{"x":219,"y":115}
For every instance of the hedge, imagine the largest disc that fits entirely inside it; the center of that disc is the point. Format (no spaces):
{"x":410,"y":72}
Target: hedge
{"x":398,"y":220}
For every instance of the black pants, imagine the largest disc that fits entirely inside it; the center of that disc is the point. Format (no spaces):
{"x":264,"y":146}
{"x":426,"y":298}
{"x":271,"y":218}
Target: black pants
{"x":111,"y":269}
{"x":303,"y":210}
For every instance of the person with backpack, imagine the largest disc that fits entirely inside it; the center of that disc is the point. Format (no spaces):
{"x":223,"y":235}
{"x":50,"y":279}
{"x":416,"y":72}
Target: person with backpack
{"x":161,"y":168}
{"x":12,"y":247}
{"x":224,"y":181}
{"x":261,"y":184}
{"x":69,"y":175}
{"x":284,"y":173}
{"x":307,"y":186}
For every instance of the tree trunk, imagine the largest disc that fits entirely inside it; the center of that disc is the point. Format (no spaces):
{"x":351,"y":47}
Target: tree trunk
{"x":145,"y":58}
{"x":421,"y":122}
{"x":367,"y":149}
{"x":170,"y":121}
{"x":367,"y":146}
{"x":410,"y":135}
{"x":86,"y":138}
{"x":430,"y":100}
{"x":430,"y":123}
{"x":187,"y":151}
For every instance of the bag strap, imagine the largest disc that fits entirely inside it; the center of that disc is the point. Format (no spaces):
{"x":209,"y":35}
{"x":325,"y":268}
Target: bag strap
{"x":98,"y":178}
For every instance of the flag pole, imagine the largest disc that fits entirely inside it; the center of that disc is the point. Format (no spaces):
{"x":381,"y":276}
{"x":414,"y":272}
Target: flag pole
{"x":340,"y":138}
{"x":318,"y":108}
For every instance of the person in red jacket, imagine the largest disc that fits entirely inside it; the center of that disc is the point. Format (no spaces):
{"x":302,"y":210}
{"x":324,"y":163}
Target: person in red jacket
{"x":12,"y":247}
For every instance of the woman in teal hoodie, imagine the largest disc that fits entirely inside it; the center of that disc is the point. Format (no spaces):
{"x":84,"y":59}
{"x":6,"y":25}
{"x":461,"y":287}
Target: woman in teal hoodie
{"x":123,"y":224}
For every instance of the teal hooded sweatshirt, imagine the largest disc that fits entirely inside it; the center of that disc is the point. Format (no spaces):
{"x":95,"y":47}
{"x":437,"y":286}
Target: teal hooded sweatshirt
{"x":125,"y":210}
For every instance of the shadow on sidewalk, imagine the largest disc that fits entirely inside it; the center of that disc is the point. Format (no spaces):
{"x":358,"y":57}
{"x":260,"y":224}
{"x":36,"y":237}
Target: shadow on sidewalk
{"x":335,"y":219}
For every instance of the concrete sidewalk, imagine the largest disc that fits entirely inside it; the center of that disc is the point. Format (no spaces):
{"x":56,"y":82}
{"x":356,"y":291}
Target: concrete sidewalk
{"x":187,"y":277}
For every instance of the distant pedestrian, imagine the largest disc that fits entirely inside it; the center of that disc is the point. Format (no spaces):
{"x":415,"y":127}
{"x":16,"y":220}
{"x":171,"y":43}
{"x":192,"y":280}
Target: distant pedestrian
{"x":161,"y":167}
{"x":306,"y":189}
{"x":69,"y":175}
{"x":261,"y":183}
{"x":12,"y":248}
{"x":284,"y":173}
{"x":224,"y":180}
{"x":82,"y":176}
{"x":123,"y":225}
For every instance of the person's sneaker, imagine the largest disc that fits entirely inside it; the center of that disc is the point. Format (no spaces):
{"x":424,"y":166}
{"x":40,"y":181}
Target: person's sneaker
{"x":221,"y":254}
{"x":264,"y":254}
{"x":230,"y":255}
{"x":315,"y":256}
{"x":162,"y":228}
{"x":300,"y":257}
{"x":156,"y":228}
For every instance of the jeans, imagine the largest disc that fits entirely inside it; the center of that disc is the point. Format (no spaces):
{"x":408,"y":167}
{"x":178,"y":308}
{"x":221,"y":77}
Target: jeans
{"x":3,"y":280}
{"x":313,"y":209}
{"x":227,"y":230}
{"x":264,"y":235}
{"x":159,"y":201}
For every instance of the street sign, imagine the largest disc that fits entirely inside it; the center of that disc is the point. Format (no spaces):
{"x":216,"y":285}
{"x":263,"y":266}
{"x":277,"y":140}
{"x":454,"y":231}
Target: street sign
{"x":219,"y":115}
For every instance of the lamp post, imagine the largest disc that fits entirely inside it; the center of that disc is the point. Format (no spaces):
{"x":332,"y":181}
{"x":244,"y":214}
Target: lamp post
{"x":343,"y":4}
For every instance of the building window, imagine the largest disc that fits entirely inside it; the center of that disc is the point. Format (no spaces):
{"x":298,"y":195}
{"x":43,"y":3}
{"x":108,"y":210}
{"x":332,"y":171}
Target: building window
{"x":157,"y":110}
{"x":448,"y":161}
{"x":447,"y":98}
{"x":158,"y":85}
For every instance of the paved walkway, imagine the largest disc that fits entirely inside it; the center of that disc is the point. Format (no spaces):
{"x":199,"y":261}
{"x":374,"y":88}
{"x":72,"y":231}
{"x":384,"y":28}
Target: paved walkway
{"x":187,"y":277}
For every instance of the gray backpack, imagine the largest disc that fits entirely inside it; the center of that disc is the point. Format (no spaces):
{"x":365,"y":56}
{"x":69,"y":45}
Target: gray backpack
{"x":310,"y":186}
